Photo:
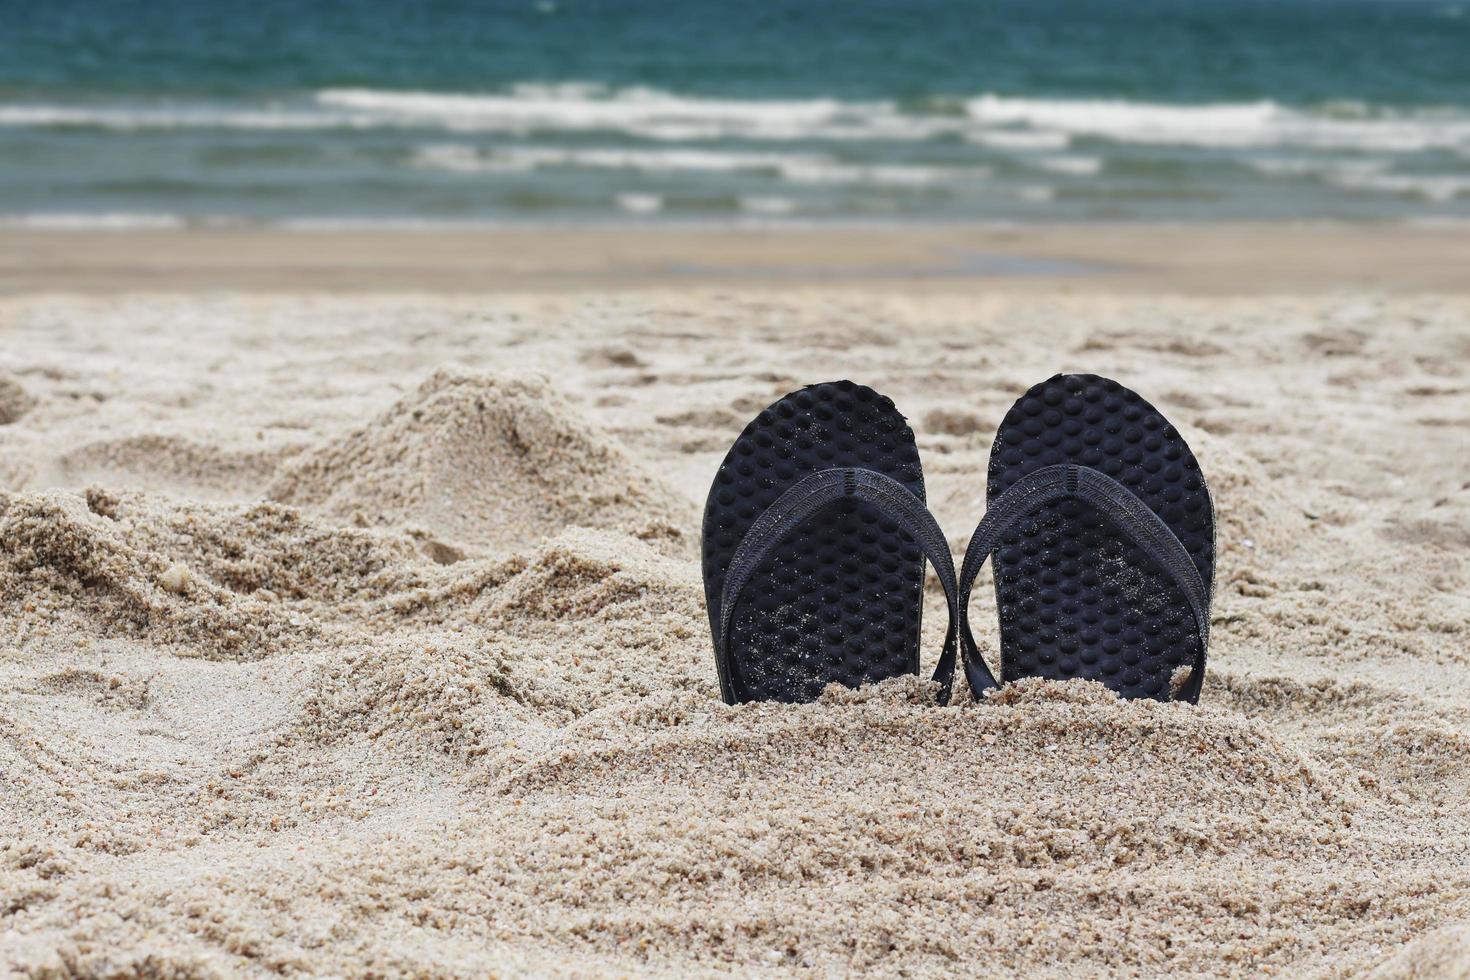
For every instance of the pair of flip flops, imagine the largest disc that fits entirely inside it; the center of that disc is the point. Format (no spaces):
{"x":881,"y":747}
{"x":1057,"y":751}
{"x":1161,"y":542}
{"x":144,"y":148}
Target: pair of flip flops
{"x":1098,"y":522}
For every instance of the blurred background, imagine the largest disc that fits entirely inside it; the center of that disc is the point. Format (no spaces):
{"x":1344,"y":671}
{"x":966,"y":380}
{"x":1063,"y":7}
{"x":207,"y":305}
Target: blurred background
{"x":178,"y":113}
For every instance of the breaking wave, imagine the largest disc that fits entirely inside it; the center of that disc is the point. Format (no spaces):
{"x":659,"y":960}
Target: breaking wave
{"x":994,"y":121}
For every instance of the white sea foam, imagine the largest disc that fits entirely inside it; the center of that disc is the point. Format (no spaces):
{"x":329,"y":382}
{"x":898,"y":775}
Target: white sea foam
{"x":1229,"y":125}
{"x":1366,"y":174}
{"x":106,"y":221}
{"x":893,"y":175}
{"x":468,"y":159}
{"x":1316,"y":166}
{"x":795,"y":167}
{"x":131,"y":119}
{"x":529,"y":108}
{"x":1078,"y":166}
{"x":639,"y":203}
{"x":1125,"y":120}
{"x":1019,"y":139}
{"x":1438,"y":188}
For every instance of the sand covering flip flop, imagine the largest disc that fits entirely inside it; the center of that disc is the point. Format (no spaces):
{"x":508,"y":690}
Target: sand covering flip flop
{"x":1103,"y":534}
{"x":815,"y":536}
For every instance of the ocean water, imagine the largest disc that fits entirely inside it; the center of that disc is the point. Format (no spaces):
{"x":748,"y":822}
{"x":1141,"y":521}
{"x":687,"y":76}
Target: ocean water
{"x":119,"y":112}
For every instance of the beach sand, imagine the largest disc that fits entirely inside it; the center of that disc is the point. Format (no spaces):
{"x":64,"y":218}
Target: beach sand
{"x":351,"y":620}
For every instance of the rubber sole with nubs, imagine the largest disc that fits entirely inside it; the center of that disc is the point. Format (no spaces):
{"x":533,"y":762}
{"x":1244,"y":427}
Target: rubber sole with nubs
{"x":1108,"y":575}
{"x":835,"y":594}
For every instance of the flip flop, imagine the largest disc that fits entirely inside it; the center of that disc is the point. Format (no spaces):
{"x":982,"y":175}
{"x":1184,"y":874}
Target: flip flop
{"x":815,"y":536}
{"x":1104,"y":540}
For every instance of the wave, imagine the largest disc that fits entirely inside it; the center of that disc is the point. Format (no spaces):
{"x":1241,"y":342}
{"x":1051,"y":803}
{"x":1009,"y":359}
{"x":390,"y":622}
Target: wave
{"x":996,"y":122}
{"x":592,"y":107}
{"x":524,"y":109}
{"x":892,"y":175}
{"x":1002,"y":123}
{"x":623,"y":153}
{"x":1077,"y":166}
{"x":797,"y":168}
{"x":468,"y":159}
{"x":1367,"y":174}
{"x":1232,"y":125}
{"x":1437,"y":188}
{"x":639,"y":203}
{"x":101,"y":221}
{"x":139,"y":118}
{"x":1019,"y":139}
{"x":1316,"y":166}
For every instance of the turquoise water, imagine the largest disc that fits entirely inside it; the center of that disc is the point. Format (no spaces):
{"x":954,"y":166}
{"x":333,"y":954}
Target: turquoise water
{"x":169,"y":112}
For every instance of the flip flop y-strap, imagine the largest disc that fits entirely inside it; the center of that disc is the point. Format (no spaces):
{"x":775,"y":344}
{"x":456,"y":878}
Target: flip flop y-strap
{"x":811,"y":494}
{"x":1132,"y":516}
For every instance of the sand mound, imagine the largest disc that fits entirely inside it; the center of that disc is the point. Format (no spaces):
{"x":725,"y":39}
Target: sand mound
{"x":496,"y":462}
{"x":587,"y":619}
{"x":588,"y":577}
{"x":73,"y":569}
{"x":14,"y":400}
{"x":269,"y":551}
{"x":219,"y":582}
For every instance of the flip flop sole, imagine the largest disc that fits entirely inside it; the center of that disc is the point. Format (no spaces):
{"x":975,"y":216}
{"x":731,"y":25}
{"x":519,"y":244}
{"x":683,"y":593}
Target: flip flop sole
{"x":1077,"y":598}
{"x":839,"y":599}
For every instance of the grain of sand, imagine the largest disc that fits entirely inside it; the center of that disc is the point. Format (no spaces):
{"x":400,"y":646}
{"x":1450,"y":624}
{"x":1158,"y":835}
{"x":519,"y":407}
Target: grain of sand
{"x":365,"y":636}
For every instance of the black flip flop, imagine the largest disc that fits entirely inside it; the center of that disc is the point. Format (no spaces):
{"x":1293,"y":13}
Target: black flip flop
{"x":815,"y":536}
{"x":1104,"y":540}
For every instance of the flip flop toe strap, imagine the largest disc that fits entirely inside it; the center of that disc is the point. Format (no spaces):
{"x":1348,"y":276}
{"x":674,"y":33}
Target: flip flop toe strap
{"x":1132,"y":516}
{"x":809,"y":495}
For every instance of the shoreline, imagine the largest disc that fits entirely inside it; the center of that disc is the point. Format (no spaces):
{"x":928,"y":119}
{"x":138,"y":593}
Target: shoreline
{"x":1207,"y":259}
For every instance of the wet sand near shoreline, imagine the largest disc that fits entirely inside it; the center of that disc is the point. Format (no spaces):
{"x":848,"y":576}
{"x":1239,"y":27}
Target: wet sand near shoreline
{"x":1205,"y":259}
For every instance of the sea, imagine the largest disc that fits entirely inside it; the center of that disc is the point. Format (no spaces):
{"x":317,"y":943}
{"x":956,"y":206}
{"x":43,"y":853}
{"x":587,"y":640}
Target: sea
{"x":329,"y":113}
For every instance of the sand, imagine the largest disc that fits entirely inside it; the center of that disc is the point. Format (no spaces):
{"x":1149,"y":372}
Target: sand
{"x":1219,"y":259}
{"x":364,"y":635}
